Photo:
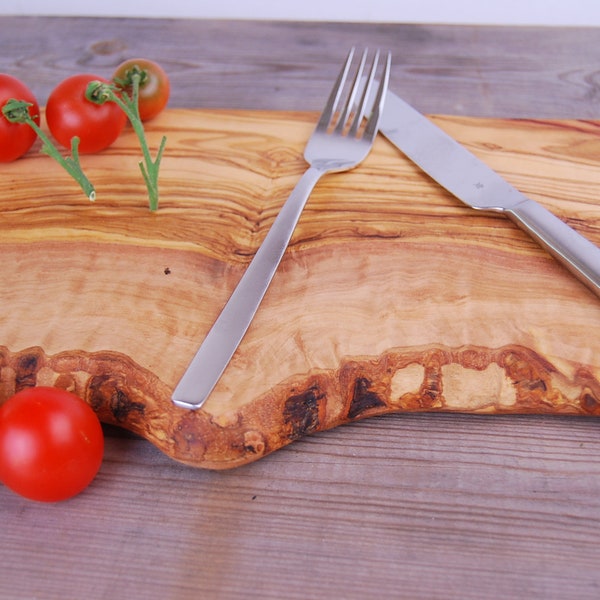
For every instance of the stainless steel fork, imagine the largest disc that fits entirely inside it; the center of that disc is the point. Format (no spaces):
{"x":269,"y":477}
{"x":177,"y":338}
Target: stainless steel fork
{"x":341,"y":140}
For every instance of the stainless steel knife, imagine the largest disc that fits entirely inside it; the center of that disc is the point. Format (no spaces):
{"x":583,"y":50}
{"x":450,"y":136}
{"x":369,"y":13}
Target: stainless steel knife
{"x":477,"y":185}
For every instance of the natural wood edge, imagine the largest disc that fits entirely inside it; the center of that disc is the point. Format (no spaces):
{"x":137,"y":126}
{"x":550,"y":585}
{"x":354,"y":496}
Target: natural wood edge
{"x":511,"y":379}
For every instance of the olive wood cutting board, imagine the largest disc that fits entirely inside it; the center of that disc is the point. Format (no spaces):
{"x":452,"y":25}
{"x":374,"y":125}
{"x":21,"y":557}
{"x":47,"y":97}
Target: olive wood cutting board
{"x":392,"y":297}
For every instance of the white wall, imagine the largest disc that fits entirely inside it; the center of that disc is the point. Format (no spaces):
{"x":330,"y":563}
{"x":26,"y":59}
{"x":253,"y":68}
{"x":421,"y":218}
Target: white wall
{"x":519,"y":12}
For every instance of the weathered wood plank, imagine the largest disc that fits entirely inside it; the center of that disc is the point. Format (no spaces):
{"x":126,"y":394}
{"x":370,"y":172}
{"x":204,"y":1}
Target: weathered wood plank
{"x":477,"y":71}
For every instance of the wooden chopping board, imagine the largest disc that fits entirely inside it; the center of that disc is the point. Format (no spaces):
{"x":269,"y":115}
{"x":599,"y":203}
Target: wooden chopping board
{"x":393,"y":296}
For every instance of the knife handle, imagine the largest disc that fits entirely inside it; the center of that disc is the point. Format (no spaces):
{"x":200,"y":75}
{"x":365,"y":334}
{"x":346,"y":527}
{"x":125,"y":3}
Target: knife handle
{"x":576,"y":252}
{"x":227,"y":332}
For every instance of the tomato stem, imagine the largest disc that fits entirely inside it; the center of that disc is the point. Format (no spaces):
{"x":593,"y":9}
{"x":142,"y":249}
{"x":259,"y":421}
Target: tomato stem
{"x":99,"y":93}
{"x":17,"y":111}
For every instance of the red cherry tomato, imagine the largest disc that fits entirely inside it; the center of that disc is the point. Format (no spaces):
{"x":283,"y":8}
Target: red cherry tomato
{"x":69,"y":113}
{"x":155,"y":87}
{"x":16,"y":138}
{"x":51,"y":444}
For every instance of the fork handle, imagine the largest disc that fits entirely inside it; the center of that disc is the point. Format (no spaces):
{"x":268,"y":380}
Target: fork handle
{"x":227,"y":332}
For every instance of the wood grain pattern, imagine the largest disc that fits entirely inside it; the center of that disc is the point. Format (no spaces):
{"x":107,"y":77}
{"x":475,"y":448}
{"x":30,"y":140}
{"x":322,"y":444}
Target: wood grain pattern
{"x":392,"y":297}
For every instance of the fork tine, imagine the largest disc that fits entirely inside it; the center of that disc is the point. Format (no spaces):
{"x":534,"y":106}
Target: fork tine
{"x":345,"y":112}
{"x":361,"y":108}
{"x":334,"y":96}
{"x":371,"y":129}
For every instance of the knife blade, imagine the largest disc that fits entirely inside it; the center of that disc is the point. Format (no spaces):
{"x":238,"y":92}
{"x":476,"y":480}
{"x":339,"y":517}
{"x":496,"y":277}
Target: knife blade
{"x":474,"y":183}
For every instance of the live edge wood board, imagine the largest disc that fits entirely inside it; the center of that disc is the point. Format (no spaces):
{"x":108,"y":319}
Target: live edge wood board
{"x":392,"y":297}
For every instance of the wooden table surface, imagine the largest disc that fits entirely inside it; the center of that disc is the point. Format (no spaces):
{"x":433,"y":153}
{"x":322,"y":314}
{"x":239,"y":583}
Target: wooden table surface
{"x":404,"y":506}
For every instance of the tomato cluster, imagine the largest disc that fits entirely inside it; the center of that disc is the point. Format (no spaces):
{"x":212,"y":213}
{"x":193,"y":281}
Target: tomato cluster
{"x":70,"y":114}
{"x":51,"y":442}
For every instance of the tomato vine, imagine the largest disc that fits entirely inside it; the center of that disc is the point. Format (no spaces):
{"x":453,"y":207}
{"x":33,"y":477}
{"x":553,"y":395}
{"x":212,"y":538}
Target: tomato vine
{"x":17,"y":111}
{"x":85,"y":114}
{"x":99,"y":93}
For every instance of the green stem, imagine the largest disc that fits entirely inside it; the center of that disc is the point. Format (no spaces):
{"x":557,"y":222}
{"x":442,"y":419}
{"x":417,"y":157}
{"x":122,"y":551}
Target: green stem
{"x":17,"y":111}
{"x":99,"y":93}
